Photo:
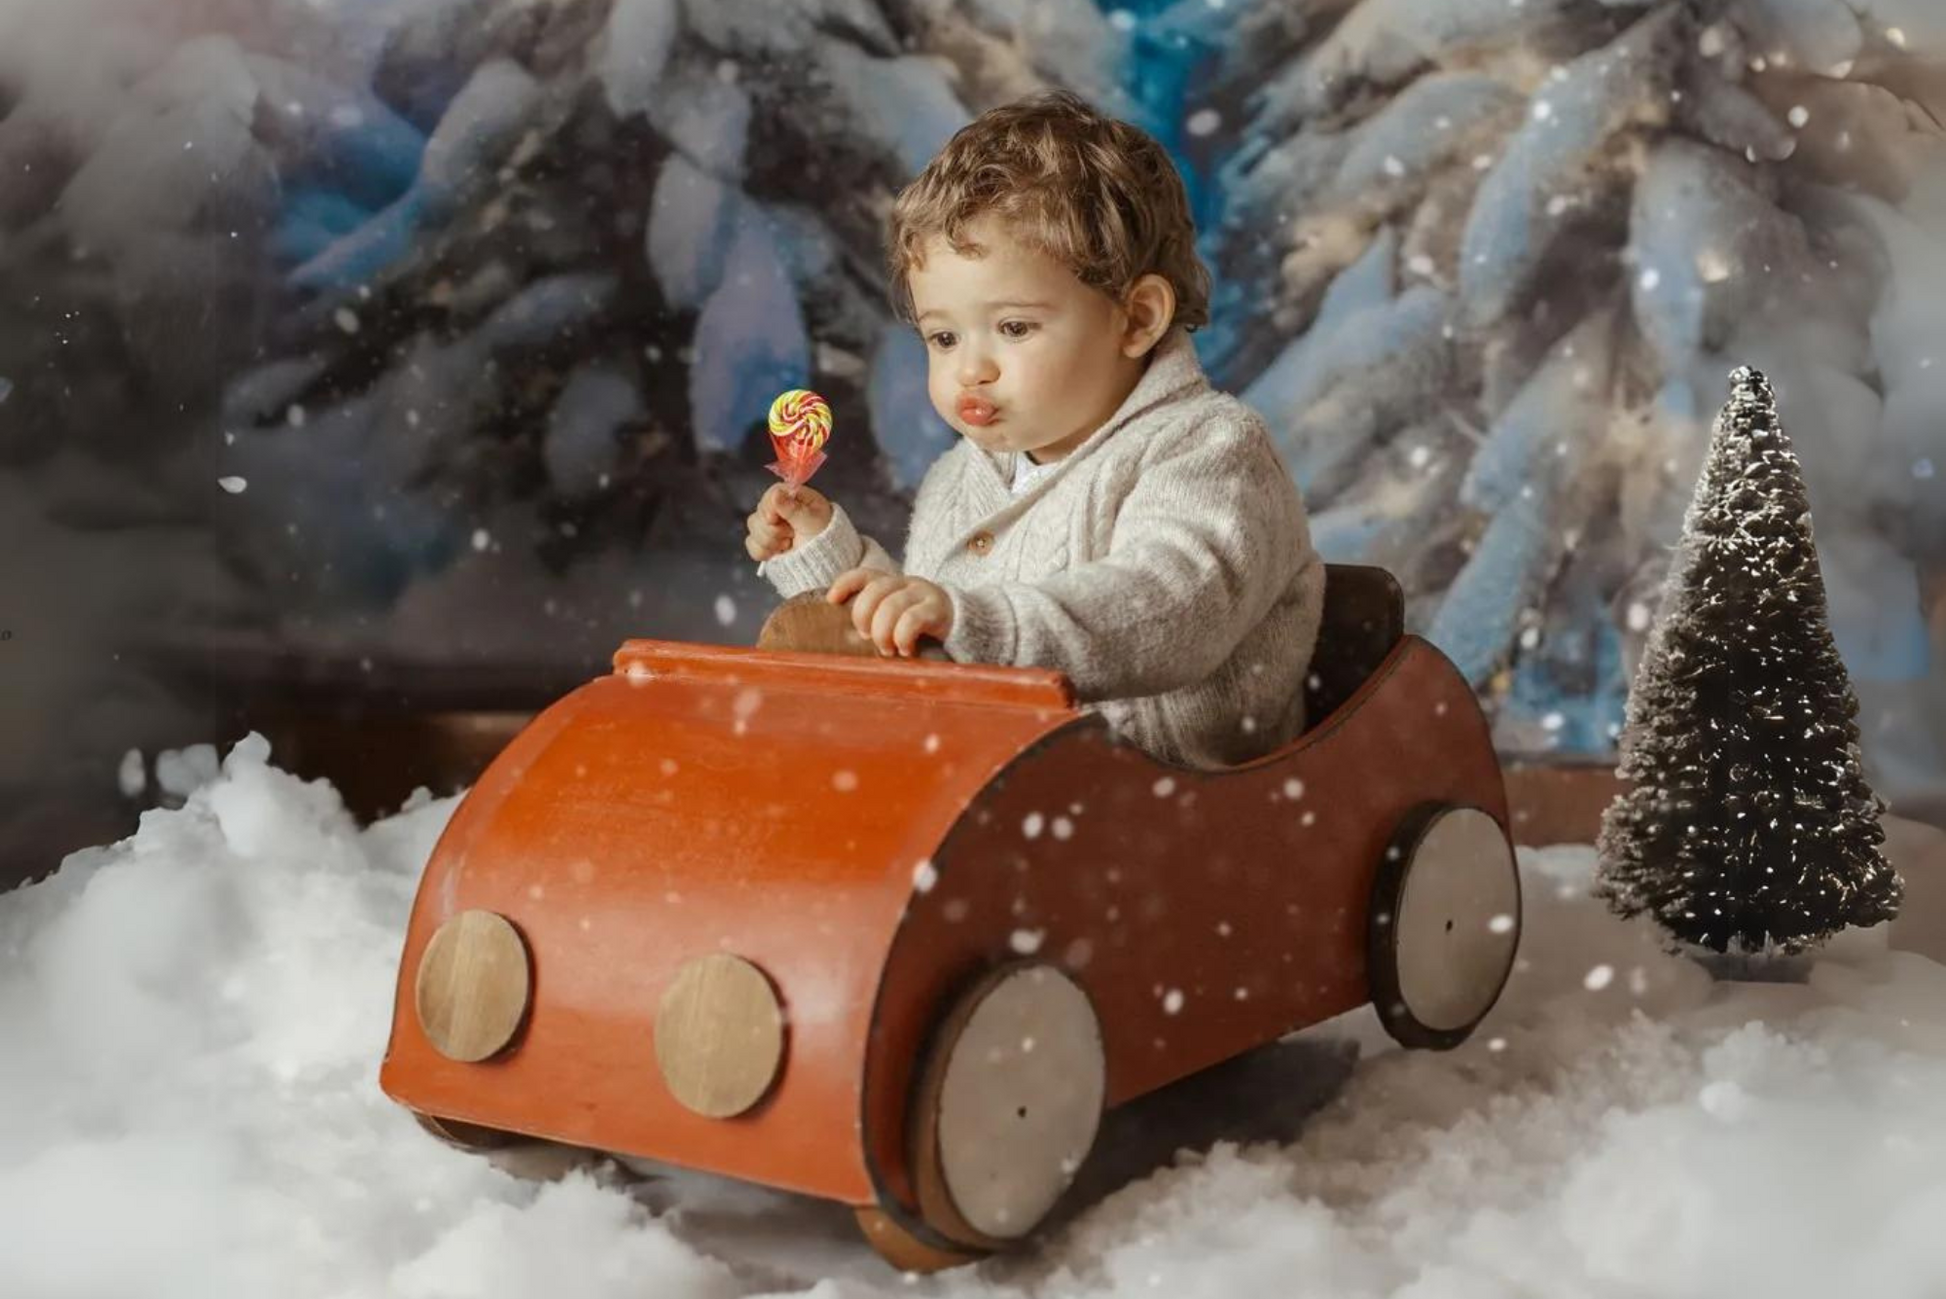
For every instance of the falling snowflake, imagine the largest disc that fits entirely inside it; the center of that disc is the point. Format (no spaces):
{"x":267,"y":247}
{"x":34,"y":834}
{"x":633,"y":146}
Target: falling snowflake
{"x":232,"y":484}
{"x":1293,"y":789}
{"x":726,"y":610}
{"x":482,"y":539}
{"x":1203,"y":121}
{"x":1649,"y":279}
{"x":1063,"y":828}
{"x":1599,"y":977}
{"x":1032,"y":826}
{"x":844,"y":780}
{"x":1027,"y":941}
{"x":1165,"y":787}
{"x":1638,"y":616}
{"x":346,"y":319}
{"x":1501,"y":924}
{"x":924,"y":876}
{"x":1799,"y":115}
{"x":1172,"y":1001}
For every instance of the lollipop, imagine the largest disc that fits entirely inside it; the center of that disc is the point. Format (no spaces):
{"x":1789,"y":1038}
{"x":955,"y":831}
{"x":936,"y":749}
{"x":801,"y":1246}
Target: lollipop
{"x":799,"y":423}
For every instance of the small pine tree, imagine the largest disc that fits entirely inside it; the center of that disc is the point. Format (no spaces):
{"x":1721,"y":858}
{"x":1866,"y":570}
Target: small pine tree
{"x":1749,"y":822}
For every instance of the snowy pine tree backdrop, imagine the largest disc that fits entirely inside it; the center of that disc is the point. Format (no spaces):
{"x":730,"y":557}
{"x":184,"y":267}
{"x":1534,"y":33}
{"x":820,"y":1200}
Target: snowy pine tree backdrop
{"x":474,"y":305}
{"x":1749,"y":825}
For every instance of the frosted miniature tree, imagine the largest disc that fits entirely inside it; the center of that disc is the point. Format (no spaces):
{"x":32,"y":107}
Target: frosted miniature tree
{"x":1750,"y":826}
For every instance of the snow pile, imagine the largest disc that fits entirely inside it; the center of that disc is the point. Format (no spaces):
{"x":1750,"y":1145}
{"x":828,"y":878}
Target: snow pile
{"x":195,"y":1017}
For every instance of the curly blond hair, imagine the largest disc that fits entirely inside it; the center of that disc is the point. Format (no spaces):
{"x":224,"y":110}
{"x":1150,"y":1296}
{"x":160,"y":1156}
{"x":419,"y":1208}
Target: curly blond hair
{"x":1097,"y":194}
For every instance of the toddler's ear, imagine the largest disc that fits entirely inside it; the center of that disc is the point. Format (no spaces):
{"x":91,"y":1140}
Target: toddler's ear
{"x":1150,"y":306}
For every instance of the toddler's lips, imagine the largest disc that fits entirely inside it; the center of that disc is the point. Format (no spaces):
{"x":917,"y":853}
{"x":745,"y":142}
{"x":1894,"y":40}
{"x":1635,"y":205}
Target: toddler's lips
{"x":976,"y":411}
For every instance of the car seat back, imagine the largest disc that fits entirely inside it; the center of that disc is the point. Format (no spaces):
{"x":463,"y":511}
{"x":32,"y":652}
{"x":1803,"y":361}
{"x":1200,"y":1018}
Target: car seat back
{"x":1364,"y":617}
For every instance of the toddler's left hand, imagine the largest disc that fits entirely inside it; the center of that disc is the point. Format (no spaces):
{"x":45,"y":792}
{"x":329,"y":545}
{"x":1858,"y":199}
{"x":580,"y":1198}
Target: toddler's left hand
{"x":892,"y":610}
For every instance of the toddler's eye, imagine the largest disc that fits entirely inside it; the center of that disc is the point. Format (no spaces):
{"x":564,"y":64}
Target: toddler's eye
{"x":1016,"y":328}
{"x":941,"y":339}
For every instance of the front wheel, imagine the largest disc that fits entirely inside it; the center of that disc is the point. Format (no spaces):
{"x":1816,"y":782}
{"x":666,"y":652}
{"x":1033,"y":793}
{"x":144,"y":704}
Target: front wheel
{"x":1008,"y":1105}
{"x":1444,"y":926}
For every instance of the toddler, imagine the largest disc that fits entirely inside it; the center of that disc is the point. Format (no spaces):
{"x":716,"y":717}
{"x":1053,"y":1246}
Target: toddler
{"x":1106,"y":512}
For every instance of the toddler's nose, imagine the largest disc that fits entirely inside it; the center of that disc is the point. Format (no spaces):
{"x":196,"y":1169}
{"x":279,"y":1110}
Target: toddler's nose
{"x":976,"y":367}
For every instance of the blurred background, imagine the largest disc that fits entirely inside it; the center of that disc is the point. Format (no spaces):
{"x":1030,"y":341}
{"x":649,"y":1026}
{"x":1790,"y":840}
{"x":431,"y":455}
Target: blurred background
{"x":369,"y":369}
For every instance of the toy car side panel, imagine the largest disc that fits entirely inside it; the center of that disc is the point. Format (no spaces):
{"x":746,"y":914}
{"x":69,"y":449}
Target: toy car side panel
{"x":651,"y":818}
{"x":1203,"y":912}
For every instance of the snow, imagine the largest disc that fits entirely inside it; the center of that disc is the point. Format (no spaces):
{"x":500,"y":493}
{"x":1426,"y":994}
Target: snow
{"x":692,"y":219}
{"x":583,"y":445}
{"x":639,"y":37}
{"x":195,"y":1018}
{"x":706,"y":119}
{"x":905,"y":105}
{"x":1507,"y":233}
{"x":1817,"y":35}
{"x":908,"y":429}
{"x":750,"y":339}
{"x":479,"y":127}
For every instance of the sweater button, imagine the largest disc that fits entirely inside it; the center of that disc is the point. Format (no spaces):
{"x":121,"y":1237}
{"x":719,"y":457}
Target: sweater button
{"x":982,"y":542}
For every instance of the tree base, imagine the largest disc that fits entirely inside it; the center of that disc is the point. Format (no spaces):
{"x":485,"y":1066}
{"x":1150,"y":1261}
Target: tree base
{"x":1753,"y":967}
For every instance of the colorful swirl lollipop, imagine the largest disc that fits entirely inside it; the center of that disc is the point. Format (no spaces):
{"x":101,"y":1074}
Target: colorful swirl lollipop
{"x":800,"y":423}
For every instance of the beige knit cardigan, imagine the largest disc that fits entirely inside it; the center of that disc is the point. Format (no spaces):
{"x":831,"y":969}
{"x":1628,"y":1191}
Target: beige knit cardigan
{"x":1165,"y":566}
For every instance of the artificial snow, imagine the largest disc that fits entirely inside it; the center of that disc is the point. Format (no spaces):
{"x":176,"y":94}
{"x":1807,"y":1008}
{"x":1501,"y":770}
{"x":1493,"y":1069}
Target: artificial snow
{"x":195,"y":1018}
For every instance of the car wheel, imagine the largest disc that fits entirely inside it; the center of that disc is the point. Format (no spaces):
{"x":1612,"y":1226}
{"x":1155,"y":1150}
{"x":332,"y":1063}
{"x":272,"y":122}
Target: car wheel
{"x":1009,"y":1101}
{"x":1444,"y":925}
{"x":894,"y":1243}
{"x":470,"y":1137}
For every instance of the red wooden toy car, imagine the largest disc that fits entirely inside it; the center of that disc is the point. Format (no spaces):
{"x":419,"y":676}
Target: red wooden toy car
{"x":895,"y":932}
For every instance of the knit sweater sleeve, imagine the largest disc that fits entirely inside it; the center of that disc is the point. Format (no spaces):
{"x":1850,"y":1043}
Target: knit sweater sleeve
{"x":1203,"y":545}
{"x":817,"y":563}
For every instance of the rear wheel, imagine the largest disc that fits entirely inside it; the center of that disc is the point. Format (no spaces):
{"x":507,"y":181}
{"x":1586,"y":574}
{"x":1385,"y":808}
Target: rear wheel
{"x":1444,"y":925}
{"x":905,"y":1251}
{"x":470,"y":1137}
{"x":1008,"y":1105}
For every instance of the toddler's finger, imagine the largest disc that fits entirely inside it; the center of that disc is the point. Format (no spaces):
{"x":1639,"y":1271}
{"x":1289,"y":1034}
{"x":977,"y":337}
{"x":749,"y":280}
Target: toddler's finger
{"x":913,"y":624}
{"x":848,"y":584}
{"x":865,"y":607}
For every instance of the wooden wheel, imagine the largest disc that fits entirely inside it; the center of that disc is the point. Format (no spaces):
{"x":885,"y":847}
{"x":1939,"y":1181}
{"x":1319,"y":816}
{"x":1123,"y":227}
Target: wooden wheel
{"x":1008,"y":1105}
{"x":470,"y":1137}
{"x":905,"y":1251}
{"x":1445,"y":922}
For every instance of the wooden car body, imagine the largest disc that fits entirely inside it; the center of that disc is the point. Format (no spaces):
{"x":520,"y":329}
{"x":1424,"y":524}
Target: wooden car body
{"x":872,"y":836}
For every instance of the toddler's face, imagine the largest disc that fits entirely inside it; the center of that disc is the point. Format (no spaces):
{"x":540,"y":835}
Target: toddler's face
{"x":1021,"y":355}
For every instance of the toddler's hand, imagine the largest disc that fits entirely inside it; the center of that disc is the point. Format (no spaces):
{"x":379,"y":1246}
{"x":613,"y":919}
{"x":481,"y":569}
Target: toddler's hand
{"x":892,"y":610}
{"x":783,"y":519}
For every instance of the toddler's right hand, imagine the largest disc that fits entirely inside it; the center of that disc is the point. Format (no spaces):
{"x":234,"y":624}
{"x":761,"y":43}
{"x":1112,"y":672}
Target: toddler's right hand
{"x":783,"y":519}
